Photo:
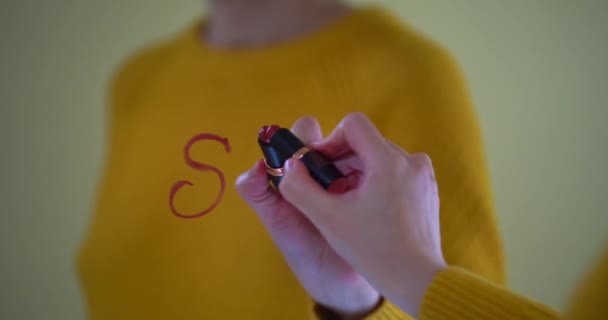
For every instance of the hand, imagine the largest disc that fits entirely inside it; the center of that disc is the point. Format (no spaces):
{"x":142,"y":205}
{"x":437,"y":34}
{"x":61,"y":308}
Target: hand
{"x":387,"y":227}
{"x":326,"y":276}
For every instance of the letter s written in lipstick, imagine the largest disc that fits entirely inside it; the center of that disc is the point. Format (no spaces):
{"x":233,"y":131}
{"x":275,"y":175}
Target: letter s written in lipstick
{"x":202,"y":167}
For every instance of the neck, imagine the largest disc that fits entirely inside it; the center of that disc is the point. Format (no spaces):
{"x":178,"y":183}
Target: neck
{"x":252,"y":23}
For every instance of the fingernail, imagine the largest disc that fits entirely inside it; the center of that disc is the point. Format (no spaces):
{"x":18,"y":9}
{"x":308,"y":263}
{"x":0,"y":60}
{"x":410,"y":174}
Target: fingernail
{"x":289,"y":164}
{"x":242,"y":177}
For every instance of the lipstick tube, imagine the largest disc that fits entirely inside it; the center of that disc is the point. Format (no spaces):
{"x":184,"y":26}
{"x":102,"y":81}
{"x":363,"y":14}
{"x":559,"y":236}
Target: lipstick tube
{"x":272,"y":159}
{"x":279,"y":144}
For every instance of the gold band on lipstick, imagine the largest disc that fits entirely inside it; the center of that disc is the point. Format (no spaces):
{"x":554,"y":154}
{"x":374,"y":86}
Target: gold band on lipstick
{"x":275,"y":172}
{"x":300,"y":153}
{"x":279,"y":172}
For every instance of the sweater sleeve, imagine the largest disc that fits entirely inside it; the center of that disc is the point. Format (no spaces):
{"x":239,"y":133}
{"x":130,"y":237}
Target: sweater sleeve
{"x":459,"y":294}
{"x":589,"y":301}
{"x":434,"y":114}
{"x":388,"y":311}
{"x":125,"y":85}
{"x":133,"y":77}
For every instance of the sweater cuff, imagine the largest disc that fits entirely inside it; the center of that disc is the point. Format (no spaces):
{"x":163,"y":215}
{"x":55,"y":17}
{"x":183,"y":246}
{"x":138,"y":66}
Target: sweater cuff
{"x":384,"y":311}
{"x":459,"y":294}
{"x":388,"y":311}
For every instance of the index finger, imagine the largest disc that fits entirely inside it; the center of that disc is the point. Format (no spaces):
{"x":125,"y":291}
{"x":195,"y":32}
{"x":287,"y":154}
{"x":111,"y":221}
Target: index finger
{"x":355,"y":133}
{"x":308,"y":130}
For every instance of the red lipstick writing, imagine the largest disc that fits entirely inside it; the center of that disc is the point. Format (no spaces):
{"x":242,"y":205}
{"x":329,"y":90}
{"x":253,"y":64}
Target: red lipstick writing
{"x":201,"y":167}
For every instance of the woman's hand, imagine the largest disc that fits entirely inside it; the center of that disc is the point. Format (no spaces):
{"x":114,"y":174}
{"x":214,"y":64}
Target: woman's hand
{"x":325,"y":275}
{"x":386,"y":227}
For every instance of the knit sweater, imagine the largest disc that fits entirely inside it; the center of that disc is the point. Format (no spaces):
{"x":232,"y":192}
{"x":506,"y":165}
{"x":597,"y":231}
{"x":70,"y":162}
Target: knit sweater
{"x":460,"y":295}
{"x":171,"y":239}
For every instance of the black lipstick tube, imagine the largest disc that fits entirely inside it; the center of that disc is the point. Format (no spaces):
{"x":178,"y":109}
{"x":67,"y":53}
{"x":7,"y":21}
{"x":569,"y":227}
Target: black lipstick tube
{"x":274,"y":163}
{"x":287,"y":145}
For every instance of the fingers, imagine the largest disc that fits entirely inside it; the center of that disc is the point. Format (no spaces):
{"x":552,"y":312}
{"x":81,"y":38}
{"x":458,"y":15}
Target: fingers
{"x":253,"y":187}
{"x":348,"y":164}
{"x":397,"y":148}
{"x":299,"y":189}
{"x":422,"y":160}
{"x":358,"y":134}
{"x":308,"y":130}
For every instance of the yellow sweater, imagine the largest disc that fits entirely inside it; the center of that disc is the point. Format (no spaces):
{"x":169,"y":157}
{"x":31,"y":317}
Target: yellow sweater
{"x":171,"y":239}
{"x":460,"y":295}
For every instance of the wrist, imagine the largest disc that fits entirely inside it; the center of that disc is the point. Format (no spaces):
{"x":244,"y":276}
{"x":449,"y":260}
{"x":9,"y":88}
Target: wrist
{"x":411,"y":300}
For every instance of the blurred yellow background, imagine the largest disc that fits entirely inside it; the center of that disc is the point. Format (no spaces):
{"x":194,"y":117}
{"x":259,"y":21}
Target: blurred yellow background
{"x":537,"y":71}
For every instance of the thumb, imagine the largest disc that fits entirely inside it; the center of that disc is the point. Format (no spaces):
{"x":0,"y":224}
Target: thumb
{"x":253,"y":187}
{"x":300,"y":189}
{"x":281,"y":219}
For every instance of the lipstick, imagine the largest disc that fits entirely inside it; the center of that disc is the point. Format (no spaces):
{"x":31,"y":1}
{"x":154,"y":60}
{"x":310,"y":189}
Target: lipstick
{"x":279,"y":144}
{"x":272,"y":158}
